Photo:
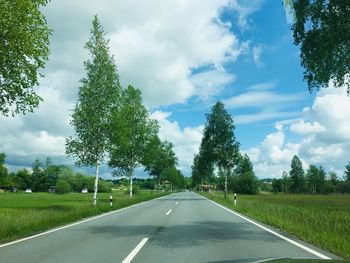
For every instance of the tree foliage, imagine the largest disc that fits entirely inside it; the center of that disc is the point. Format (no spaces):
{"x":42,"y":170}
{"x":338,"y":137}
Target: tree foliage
{"x":98,"y":95}
{"x":132,"y":131}
{"x":322,"y":28}
{"x":286,"y":182}
{"x":297,"y":175}
{"x":63,"y":187}
{"x":245,"y":181}
{"x":159,"y":156}
{"x":4,"y":175}
{"x":347,"y":172}
{"x":24,"y":49}
{"x":45,"y":174}
{"x":174,"y":176}
{"x":219,"y":146}
{"x":202,"y":170}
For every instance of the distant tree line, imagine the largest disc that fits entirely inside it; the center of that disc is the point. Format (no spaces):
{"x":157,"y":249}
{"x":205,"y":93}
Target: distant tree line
{"x":315,"y":181}
{"x":219,"y":150}
{"x":45,"y":175}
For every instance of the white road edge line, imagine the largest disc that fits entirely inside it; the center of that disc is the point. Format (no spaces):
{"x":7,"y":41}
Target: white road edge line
{"x":273,"y":232}
{"x":76,"y":223}
{"x":264,"y":260}
{"x":135,"y":251}
{"x":169,"y":212}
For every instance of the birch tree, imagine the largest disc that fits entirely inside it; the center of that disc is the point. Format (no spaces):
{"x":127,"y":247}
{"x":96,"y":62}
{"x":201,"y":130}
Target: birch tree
{"x":219,"y":144}
{"x":132,"y":131}
{"x":98,"y":95}
{"x":322,"y":30}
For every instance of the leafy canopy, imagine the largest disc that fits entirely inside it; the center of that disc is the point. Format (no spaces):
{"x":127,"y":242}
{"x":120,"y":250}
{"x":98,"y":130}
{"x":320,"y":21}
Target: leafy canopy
{"x":159,"y":156}
{"x":131,"y":131}
{"x":219,"y":145}
{"x":322,"y":27}
{"x":297,"y":174}
{"x":24,"y":49}
{"x":98,"y":96}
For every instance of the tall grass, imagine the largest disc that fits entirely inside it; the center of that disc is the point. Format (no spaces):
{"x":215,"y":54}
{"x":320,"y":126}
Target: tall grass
{"x":321,"y":220}
{"x":26,"y":214}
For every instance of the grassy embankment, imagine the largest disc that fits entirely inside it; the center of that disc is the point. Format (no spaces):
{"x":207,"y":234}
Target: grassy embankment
{"x":27,"y":214}
{"x":323,"y":220}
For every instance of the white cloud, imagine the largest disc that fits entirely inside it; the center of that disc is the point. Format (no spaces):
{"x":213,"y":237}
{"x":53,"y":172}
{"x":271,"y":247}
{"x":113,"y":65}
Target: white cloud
{"x":39,"y":134}
{"x":211,"y":83}
{"x":258,"y":99}
{"x":304,"y":128}
{"x":155,"y":49}
{"x":186,"y":141}
{"x":256,"y":52}
{"x":244,"y":9}
{"x":263,"y":86}
{"x":264,"y":116}
{"x":322,"y":138}
{"x":157,"y":45}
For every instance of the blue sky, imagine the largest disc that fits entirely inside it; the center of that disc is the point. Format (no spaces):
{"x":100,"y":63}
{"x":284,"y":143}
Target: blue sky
{"x":184,"y":56}
{"x":277,"y":71}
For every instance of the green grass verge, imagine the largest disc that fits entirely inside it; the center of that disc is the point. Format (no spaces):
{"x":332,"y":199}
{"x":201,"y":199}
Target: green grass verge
{"x":23,"y":214}
{"x":323,"y":220}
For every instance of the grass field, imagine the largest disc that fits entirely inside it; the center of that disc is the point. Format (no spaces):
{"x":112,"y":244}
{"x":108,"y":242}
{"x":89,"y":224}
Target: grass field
{"x":26,"y":214}
{"x":323,"y":220}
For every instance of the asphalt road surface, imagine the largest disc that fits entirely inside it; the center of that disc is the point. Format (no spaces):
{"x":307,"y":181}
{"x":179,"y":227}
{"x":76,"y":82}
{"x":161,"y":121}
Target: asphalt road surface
{"x":182,"y":227}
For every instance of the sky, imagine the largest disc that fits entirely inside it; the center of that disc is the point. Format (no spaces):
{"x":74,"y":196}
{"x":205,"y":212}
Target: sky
{"x":184,"y":56}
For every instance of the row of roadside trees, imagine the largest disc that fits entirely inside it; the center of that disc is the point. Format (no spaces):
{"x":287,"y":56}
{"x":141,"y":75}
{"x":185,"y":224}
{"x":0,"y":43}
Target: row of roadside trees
{"x":315,"y":181}
{"x":112,"y":126}
{"x":219,"y":152}
{"x":111,"y":123}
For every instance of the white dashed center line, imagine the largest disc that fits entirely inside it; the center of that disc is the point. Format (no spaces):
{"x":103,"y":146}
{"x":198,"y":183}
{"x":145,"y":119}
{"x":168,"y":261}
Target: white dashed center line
{"x":169,"y":212}
{"x":135,"y":251}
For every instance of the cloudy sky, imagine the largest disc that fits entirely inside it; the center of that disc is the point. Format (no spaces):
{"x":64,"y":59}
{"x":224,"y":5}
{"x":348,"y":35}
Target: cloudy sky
{"x":184,"y":56}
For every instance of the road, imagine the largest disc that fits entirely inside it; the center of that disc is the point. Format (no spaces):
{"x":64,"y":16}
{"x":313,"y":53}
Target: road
{"x":182,"y":227}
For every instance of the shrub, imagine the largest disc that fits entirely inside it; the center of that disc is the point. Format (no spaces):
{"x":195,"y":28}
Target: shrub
{"x":104,"y":187}
{"x":135,"y":190}
{"x":63,"y":187}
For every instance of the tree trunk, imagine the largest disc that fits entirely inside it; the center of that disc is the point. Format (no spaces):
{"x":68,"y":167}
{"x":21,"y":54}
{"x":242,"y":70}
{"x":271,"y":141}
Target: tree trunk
{"x":158,"y":184}
{"x":130,"y":192}
{"x":94,"y":200}
{"x":225,"y":183}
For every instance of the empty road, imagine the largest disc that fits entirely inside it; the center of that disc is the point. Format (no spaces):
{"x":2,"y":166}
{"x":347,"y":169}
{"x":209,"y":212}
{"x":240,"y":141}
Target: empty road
{"x":182,"y":227}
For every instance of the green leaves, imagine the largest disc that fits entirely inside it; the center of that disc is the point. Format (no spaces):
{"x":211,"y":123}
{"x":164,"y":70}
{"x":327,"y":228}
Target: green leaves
{"x":109,"y":121}
{"x":98,"y":97}
{"x":132,"y":131}
{"x":219,"y":145}
{"x":158,"y":157}
{"x":322,"y":28}
{"x":24,"y":49}
{"x":297,"y":175}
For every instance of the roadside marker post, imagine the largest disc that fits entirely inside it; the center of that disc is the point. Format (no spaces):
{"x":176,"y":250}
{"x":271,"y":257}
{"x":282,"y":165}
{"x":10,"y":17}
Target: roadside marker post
{"x":110,"y":200}
{"x":235,"y":199}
